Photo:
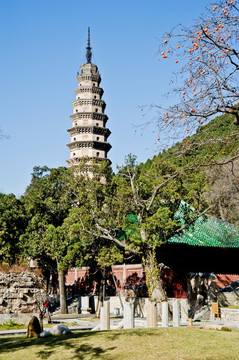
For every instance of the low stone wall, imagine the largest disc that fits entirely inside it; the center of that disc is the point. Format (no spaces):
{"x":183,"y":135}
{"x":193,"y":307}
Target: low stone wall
{"x":228,"y":298}
{"x":18,"y":292}
{"x":20,"y":318}
{"x":230,"y":315}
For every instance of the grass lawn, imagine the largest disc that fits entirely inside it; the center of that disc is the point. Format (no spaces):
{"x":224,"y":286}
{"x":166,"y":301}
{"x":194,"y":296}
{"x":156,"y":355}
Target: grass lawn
{"x":24,"y":326}
{"x":135,"y":344}
{"x":11,"y":325}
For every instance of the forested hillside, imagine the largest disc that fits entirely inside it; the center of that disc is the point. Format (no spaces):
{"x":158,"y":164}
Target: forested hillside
{"x":211,"y":153}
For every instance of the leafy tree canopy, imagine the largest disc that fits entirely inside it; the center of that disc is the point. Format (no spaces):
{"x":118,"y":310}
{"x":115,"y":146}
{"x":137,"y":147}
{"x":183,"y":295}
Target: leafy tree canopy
{"x":12,"y":225}
{"x":44,"y":206}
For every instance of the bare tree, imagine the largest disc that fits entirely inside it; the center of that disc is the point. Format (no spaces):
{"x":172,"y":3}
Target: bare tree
{"x":207,"y":54}
{"x":224,"y":192}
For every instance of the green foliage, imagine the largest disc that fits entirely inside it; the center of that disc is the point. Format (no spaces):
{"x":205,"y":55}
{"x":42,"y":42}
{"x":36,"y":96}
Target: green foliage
{"x":46,"y":210}
{"x":106,"y":258}
{"x":11,"y":325}
{"x":118,"y":218}
{"x":12,"y":224}
{"x":218,"y":140}
{"x":44,"y":194}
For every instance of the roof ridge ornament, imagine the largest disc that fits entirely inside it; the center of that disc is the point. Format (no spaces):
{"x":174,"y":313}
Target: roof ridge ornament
{"x":88,"y":49}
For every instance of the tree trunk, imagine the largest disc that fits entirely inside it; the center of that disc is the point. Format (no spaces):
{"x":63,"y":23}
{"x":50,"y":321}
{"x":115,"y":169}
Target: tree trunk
{"x":61,"y":278}
{"x":221,"y":210}
{"x":41,"y":320}
{"x":153,"y":280}
{"x":101,"y":295}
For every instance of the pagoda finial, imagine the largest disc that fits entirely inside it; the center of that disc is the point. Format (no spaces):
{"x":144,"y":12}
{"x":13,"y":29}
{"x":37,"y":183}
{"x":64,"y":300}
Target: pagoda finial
{"x":88,"y":49}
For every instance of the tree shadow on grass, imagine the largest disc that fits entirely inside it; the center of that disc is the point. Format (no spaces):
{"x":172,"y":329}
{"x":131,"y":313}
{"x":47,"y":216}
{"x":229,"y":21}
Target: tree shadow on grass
{"x":112,"y":335}
{"x":51,"y":344}
{"x":93,"y":352}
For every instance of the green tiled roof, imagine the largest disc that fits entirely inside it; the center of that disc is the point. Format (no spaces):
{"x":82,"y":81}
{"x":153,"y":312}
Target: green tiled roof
{"x":205,"y":231}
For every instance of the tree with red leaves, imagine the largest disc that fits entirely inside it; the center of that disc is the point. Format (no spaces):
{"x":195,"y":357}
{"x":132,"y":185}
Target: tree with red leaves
{"x":208,"y":79}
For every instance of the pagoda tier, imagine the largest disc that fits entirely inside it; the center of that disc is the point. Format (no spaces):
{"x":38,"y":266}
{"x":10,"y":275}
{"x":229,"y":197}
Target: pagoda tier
{"x":88,"y":132}
{"x":93,"y":77}
{"x":89,"y":115}
{"x":77,"y":160}
{"x":94,"y":102}
{"x":76,"y":130}
{"x":89,"y":144}
{"x":89,"y":90}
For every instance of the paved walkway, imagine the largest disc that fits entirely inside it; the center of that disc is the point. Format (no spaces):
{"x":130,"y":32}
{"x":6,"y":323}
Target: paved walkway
{"x":89,"y":323}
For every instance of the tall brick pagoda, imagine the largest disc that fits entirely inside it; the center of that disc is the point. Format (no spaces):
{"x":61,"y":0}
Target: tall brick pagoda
{"x":88,"y":132}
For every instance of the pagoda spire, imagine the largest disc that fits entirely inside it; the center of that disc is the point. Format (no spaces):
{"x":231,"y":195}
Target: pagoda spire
{"x":88,"y":49}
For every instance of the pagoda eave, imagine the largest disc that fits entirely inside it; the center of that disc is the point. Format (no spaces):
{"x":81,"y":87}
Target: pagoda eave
{"x":88,"y":115}
{"x":92,"y":77}
{"x":93,"y":102}
{"x":97,"y":130}
{"x":97,"y":145}
{"x":89,"y":89}
{"x":78,"y":160}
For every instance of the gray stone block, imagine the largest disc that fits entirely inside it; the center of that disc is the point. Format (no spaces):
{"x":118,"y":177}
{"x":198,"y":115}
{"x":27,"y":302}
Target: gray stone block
{"x":128,"y":315}
{"x":165,"y":314}
{"x":151,"y":318}
{"x":176,"y":313}
{"x":105,"y":316}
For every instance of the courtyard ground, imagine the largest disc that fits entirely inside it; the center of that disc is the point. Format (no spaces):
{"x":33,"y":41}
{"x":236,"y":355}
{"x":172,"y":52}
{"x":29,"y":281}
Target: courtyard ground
{"x":140,"y":344}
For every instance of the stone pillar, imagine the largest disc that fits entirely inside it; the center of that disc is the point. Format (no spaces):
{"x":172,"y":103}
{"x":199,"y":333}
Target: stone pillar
{"x":105,"y":316}
{"x":176,"y":313}
{"x":151,"y":318}
{"x":128,"y":315}
{"x":165,"y":314}
{"x":184,"y":310}
{"x":85,"y":305}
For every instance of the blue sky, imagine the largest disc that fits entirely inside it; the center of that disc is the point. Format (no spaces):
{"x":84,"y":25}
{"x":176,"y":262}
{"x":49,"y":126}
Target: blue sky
{"x":43,"y":46}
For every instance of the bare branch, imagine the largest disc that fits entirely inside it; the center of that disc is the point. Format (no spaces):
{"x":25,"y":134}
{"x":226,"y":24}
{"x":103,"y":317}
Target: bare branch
{"x":178,"y":173}
{"x":208,"y":82}
{"x":105,"y":234}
